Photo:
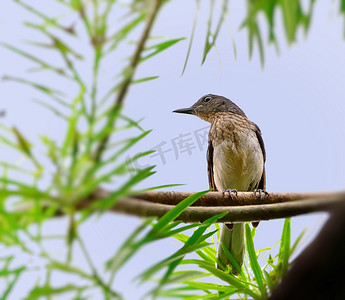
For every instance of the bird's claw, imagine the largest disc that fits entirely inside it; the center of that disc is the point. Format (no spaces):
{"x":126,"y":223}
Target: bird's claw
{"x":230,"y":191}
{"x":260,"y":191}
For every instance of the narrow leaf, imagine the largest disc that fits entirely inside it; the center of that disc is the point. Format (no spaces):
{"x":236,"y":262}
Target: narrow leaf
{"x":254,"y":262}
{"x":160,"y":47}
{"x":177,"y":210}
{"x":197,"y":2}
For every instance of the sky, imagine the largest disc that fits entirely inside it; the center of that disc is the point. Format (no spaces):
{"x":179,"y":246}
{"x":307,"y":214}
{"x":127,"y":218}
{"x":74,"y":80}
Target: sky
{"x":297,"y":100}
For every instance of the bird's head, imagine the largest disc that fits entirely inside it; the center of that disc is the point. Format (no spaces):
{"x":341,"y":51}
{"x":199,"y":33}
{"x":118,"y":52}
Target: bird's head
{"x":209,"y":106}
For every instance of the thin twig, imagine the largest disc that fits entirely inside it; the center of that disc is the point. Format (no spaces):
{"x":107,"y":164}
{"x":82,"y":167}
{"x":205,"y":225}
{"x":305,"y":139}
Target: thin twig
{"x":135,"y":60}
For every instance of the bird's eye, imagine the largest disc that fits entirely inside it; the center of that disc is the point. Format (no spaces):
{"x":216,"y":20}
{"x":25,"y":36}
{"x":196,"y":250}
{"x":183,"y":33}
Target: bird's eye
{"x":206,"y":99}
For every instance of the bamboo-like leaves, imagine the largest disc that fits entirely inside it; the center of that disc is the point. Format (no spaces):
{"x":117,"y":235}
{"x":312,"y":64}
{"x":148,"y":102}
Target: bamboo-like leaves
{"x":158,"y":48}
{"x":298,"y":240}
{"x":192,"y":35}
{"x":144,"y":79}
{"x":254,"y":261}
{"x":159,"y":230}
{"x":253,"y":280}
{"x":44,"y":65}
{"x":125,"y":31}
{"x":57,"y":43}
{"x":195,"y":243}
{"x":293,"y":18}
{"x":14,"y":274}
{"x":233,"y":261}
{"x":51,"y":92}
{"x":239,"y":286}
{"x":211,"y":37}
{"x":285,"y":251}
{"x":76,"y":174}
{"x":48,"y":21}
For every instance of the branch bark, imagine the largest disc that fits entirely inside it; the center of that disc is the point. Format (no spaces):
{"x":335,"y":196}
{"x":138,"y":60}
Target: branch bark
{"x":220,"y":199}
{"x":241,"y":208}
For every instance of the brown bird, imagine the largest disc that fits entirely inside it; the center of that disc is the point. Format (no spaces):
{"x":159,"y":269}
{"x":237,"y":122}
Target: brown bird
{"x":236,"y":160}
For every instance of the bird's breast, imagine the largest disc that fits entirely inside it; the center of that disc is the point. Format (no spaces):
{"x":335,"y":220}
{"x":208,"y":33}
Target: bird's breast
{"x":238,"y":161}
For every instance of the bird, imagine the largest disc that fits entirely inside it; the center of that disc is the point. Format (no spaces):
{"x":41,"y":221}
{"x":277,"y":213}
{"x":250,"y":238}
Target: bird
{"x":236,"y":159}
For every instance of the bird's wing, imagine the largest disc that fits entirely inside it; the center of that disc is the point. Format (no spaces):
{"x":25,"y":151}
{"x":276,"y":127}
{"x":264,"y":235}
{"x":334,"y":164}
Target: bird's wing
{"x":210,"y":166}
{"x":262,"y":183}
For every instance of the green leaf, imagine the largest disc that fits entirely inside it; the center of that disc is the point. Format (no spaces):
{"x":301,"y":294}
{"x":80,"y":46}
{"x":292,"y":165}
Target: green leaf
{"x":176,"y":211}
{"x":70,"y":135}
{"x":9,"y":143}
{"x":297,"y":241}
{"x":191,"y":244}
{"x":49,"y":291}
{"x":128,"y":248}
{"x":197,"y":2}
{"x":44,"y":65}
{"x":25,"y":146}
{"x":210,"y":286}
{"x":232,"y":280}
{"x":208,"y":39}
{"x":10,"y":285}
{"x":57,"y":43}
{"x":123,"y":32}
{"x":261,"y":47}
{"x":145,"y":79}
{"x":183,"y":276}
{"x":90,"y":182}
{"x":291,"y":13}
{"x":270,"y":283}
{"x":158,"y":48}
{"x":51,"y":92}
{"x":17,"y":168}
{"x":124,"y":189}
{"x":134,"y":124}
{"x":48,"y":20}
{"x":52,"y":109}
{"x":284,"y":251}
{"x":176,"y":257}
{"x":233,"y":261}
{"x":68,"y":268}
{"x":174,"y":232}
{"x":254,"y":262}
{"x":205,"y":253}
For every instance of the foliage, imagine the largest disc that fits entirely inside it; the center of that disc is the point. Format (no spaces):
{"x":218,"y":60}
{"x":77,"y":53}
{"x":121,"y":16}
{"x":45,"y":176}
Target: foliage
{"x":212,"y":283}
{"x":77,"y":165}
{"x":92,"y":152}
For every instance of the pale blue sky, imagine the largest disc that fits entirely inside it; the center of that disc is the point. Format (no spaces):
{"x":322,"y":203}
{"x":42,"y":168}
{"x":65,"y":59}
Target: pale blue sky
{"x":297,"y":100}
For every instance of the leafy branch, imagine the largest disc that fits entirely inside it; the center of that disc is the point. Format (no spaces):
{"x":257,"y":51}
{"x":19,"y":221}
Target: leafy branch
{"x":69,"y":179}
{"x":129,"y":71}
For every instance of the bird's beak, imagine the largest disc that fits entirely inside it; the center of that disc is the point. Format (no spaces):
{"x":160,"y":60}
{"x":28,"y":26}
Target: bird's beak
{"x":189,"y":110}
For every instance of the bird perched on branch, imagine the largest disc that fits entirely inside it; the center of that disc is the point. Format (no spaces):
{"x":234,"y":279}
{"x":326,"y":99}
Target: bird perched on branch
{"x":236,"y":161}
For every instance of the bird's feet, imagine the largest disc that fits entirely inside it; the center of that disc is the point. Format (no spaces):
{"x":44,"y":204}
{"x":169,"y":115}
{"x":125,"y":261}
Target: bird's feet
{"x":230,"y":191}
{"x":261,"y":192}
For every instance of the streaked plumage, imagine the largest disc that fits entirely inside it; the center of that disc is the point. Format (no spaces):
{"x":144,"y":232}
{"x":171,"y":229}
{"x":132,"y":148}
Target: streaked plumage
{"x":236,"y":159}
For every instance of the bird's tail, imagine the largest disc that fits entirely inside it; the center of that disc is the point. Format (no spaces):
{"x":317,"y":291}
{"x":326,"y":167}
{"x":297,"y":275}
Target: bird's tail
{"x":232,"y":236}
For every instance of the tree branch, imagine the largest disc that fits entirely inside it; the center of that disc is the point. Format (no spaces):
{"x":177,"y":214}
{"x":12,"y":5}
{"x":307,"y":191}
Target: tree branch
{"x":244,"y":207}
{"x":134,"y":62}
{"x":281,"y":205}
{"x":220,"y":199}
